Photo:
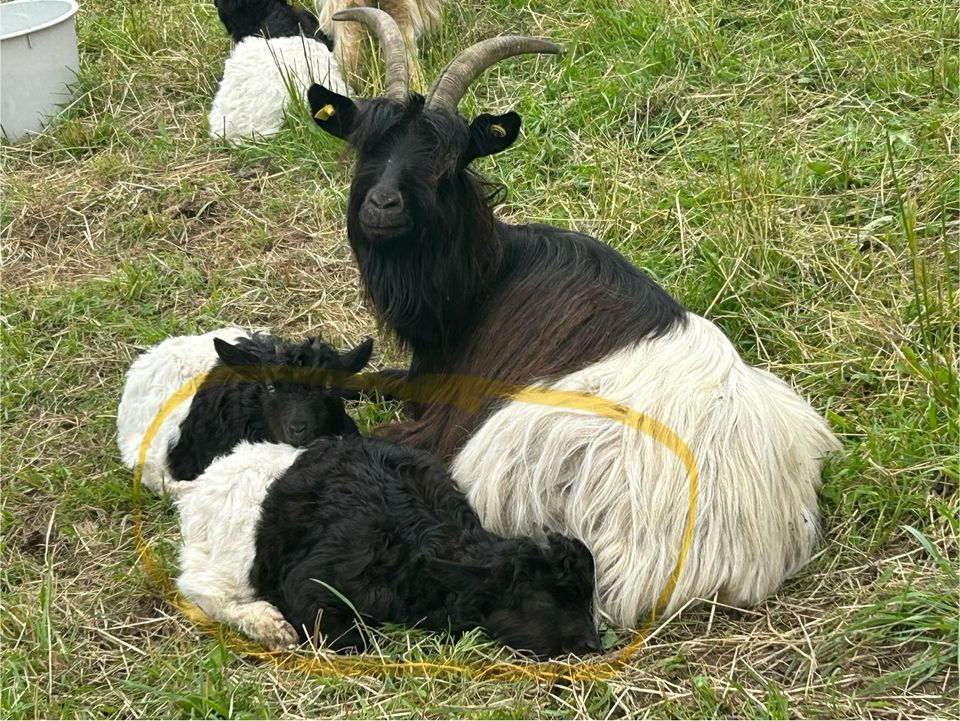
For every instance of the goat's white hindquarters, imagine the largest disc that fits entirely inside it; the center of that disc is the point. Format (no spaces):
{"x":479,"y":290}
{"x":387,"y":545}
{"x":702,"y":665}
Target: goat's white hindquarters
{"x":219,"y":512}
{"x":757,"y":444}
{"x":258,"y":78}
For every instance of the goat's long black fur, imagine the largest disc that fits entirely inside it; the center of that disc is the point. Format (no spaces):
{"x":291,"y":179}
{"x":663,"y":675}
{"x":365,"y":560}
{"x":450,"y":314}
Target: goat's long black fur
{"x":256,"y":400}
{"x":472,"y":296}
{"x":269,"y":19}
{"x":384,"y":526}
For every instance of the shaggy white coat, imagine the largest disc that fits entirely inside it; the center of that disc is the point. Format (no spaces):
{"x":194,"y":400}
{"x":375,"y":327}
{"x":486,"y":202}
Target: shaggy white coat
{"x":757,"y":444}
{"x":257,"y":80}
{"x":153,"y":378}
{"x":219,"y":512}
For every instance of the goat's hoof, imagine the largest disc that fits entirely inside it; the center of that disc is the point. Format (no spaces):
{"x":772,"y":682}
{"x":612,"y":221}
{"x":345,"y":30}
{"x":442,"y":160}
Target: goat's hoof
{"x":274,"y":632}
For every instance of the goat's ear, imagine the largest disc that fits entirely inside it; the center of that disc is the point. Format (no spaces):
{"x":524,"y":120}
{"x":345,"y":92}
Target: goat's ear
{"x":572,"y":556}
{"x":354,"y":360}
{"x":333,"y":112}
{"x":490,"y":134}
{"x":242,"y":362}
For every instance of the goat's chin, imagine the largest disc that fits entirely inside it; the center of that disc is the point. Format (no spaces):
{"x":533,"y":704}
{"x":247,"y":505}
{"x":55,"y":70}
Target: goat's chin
{"x":385,"y":234}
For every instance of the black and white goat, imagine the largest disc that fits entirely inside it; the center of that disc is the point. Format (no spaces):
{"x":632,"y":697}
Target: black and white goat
{"x":260,"y":389}
{"x":280,"y":49}
{"x":269,"y":530}
{"x":534,"y":304}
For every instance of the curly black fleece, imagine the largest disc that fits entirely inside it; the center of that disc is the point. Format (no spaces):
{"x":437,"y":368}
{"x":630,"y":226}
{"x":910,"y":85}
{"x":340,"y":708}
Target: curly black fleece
{"x":385,"y":525}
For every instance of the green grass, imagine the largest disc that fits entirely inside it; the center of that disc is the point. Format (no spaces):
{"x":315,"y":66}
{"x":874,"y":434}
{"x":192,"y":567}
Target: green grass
{"x":787,"y":169}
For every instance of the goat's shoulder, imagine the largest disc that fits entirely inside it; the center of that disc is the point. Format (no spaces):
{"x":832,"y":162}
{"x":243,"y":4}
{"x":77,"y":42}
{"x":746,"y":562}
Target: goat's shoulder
{"x":551,"y":249}
{"x":572,"y":262}
{"x":288,"y":21}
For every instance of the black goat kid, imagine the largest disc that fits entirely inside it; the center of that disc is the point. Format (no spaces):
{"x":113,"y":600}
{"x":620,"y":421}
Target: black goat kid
{"x":264,"y":389}
{"x":385,"y":526}
{"x":269,"y":19}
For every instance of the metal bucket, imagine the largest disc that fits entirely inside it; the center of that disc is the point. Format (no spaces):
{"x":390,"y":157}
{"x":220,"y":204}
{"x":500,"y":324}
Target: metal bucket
{"x":38,"y":60}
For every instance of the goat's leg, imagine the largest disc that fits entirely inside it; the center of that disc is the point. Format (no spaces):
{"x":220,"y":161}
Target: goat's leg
{"x":258,"y":620}
{"x":176,"y":489}
{"x":223,"y":600}
{"x":263,"y":622}
{"x":347,"y":39}
{"x":385,"y":383}
{"x":154,"y":477}
{"x":389,"y":383}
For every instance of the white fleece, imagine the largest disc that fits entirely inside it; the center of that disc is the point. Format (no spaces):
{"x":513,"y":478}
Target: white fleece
{"x":757,"y":444}
{"x":258,"y":76}
{"x":219,"y":512}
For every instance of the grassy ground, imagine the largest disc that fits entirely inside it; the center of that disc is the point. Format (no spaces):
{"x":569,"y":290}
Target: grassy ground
{"x":788,"y":169}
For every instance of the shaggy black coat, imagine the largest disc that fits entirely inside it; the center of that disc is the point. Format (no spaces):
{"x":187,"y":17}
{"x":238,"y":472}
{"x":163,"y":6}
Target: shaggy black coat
{"x":472,"y":296}
{"x":269,"y":19}
{"x":264,"y":389}
{"x":384,"y":526}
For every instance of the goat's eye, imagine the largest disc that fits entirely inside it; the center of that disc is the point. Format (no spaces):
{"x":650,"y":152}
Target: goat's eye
{"x":271,"y":388}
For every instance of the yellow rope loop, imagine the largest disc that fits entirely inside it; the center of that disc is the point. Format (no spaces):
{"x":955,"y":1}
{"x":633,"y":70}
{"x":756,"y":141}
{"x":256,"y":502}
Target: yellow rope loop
{"x":465,"y":393}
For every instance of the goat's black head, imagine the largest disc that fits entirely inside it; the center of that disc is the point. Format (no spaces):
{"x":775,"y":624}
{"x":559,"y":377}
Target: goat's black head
{"x":413,"y":152}
{"x":267,"y":18}
{"x":536,"y":599}
{"x":243,"y":17}
{"x":294,"y":385}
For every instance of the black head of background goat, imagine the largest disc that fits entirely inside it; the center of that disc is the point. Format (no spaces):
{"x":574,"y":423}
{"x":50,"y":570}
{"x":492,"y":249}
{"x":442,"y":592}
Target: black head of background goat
{"x":269,"y":19}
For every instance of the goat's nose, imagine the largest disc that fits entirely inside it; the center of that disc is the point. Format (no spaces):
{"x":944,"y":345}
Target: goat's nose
{"x":383,"y":199}
{"x":584,"y":646}
{"x":297,"y":427}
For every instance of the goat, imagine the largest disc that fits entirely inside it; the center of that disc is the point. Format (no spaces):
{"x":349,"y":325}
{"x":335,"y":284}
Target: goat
{"x":385,"y":526}
{"x":533,"y":304}
{"x":280,"y":50}
{"x":415,"y":18}
{"x":256,"y":395}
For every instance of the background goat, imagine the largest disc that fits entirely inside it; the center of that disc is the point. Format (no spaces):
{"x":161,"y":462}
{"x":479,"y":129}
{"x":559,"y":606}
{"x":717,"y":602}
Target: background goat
{"x":255,"y":398}
{"x":472,"y":296}
{"x":280,"y":50}
{"x":414,"y":18}
{"x":386,"y":527}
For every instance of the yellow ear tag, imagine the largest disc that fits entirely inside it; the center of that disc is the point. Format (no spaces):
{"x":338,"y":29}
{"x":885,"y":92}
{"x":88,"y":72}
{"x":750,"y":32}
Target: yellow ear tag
{"x":498,"y":130}
{"x":325,"y":113}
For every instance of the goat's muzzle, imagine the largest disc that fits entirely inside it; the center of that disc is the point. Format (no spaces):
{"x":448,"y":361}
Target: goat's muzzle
{"x":383,"y":214}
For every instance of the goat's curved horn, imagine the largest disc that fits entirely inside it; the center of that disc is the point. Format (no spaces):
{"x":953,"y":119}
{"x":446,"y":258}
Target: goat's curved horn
{"x":396,"y":72}
{"x":453,"y":81}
